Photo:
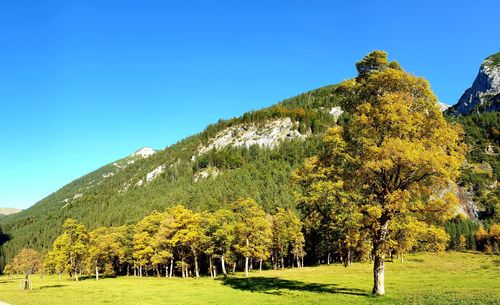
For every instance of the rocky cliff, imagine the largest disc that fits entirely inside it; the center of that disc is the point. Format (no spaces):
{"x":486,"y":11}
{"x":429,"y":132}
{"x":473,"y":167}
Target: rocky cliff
{"x":484,"y":94}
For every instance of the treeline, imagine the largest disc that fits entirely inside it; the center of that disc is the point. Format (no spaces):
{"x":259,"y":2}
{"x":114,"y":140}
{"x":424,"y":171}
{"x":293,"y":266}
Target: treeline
{"x":466,"y":234}
{"x":180,"y":242}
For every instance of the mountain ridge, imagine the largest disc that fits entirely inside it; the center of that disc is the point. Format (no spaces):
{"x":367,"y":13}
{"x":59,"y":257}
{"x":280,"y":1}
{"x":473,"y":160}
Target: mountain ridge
{"x":484,"y":94}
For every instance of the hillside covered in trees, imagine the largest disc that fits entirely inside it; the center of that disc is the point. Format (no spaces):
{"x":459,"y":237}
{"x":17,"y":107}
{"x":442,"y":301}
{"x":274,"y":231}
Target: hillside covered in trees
{"x":252,"y":156}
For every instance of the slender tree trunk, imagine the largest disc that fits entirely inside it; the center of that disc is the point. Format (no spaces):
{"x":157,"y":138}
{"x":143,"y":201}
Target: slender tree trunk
{"x":282,"y":263}
{"x":196,"y":271}
{"x":171,"y":267}
{"x":302,"y":262}
{"x":96,"y":272}
{"x":76,"y":274}
{"x":26,"y":282}
{"x":234,"y":267}
{"x":223,"y":265}
{"x":328,"y":259}
{"x":247,"y":259}
{"x":402,"y":259}
{"x":210,"y":266}
{"x":260,"y":265}
{"x":183,"y":268}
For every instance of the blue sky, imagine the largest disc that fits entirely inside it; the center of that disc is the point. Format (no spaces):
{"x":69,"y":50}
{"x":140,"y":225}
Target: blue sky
{"x":83,"y":83}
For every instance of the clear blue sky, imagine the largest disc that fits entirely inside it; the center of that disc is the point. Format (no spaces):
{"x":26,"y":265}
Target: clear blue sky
{"x":83,"y":83}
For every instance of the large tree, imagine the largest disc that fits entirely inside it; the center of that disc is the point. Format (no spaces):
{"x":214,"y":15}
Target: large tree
{"x":70,"y":249}
{"x":253,"y":231}
{"x":220,"y":236}
{"x":27,"y":262}
{"x":144,"y":240}
{"x":188,"y":236}
{"x":388,"y":159}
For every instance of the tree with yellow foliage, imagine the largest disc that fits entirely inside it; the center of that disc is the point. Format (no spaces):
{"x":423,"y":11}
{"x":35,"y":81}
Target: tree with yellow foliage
{"x":386,"y":162}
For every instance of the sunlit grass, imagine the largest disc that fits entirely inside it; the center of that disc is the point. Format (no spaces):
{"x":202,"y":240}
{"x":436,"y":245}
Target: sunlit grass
{"x":450,"y":278}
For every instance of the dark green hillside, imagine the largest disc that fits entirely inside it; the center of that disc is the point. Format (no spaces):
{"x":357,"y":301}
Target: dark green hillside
{"x":110,"y":195}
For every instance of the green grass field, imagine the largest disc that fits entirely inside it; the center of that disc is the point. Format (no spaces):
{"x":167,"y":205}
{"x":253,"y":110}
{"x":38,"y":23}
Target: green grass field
{"x":429,"y":278}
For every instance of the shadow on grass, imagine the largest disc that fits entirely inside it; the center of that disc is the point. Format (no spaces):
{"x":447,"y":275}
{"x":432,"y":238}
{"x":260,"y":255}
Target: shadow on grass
{"x":274,"y":285}
{"x":52,"y":286}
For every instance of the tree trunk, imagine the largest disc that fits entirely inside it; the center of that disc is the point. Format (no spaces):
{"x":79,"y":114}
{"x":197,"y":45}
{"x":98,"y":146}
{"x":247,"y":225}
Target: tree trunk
{"x":171,"y":267}
{"x":260,"y":265}
{"x":223,"y":265}
{"x":379,"y":257}
{"x":378,"y":275}
{"x":282,"y":263}
{"x":76,"y":275}
{"x":210,"y":266}
{"x":234,"y":267}
{"x":96,"y":272}
{"x":26,"y":285}
{"x":328,"y":259}
{"x":196,"y":271}
{"x":246,"y":265}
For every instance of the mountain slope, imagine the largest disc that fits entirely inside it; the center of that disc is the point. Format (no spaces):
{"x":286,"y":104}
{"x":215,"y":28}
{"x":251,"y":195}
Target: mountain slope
{"x":484,"y":94}
{"x":247,"y":156}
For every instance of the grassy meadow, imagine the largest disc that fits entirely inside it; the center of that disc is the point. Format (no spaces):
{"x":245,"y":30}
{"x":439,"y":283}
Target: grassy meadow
{"x":427,"y":278}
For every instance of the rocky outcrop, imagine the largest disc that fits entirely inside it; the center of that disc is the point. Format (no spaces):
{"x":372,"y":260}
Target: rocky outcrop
{"x":484,"y":95}
{"x":9,"y":211}
{"x":245,"y":135}
{"x":206,"y":173}
{"x":144,"y":152}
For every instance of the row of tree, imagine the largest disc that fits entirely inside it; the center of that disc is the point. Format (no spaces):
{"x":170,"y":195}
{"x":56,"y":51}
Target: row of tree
{"x":180,"y":241}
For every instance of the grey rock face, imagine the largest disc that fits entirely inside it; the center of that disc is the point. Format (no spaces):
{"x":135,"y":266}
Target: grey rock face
{"x":484,"y":95}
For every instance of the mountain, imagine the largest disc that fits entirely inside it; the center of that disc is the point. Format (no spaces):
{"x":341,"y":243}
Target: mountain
{"x":484,"y":95}
{"x":248,"y":156}
{"x":8,"y":211}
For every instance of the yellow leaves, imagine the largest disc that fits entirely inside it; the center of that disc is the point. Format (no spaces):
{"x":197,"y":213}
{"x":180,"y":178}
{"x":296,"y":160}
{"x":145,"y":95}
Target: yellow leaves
{"x":436,"y":239}
{"x":374,"y":211}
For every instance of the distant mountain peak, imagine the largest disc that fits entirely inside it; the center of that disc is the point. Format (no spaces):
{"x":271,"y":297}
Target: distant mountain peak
{"x":9,"y":211}
{"x":144,"y":152}
{"x":484,"y":95}
{"x":443,"y":107}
